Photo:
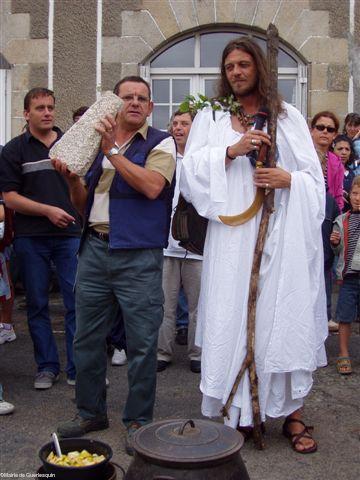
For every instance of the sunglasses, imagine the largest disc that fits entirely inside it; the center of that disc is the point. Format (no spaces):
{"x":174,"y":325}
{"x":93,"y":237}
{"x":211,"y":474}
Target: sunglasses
{"x":321,"y":128}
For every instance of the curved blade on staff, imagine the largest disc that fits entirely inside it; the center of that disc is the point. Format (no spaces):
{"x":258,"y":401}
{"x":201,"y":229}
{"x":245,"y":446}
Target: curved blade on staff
{"x":236,"y":220}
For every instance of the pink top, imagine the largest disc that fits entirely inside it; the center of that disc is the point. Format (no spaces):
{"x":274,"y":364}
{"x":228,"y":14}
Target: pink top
{"x":335,"y":178}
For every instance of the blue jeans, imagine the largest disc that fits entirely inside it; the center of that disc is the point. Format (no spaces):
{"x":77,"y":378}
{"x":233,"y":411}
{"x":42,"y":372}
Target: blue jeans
{"x":182,"y":311}
{"x":106,"y":279}
{"x":34,"y":255}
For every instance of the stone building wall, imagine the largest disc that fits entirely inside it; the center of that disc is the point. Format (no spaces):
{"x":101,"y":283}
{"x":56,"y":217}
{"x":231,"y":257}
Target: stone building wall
{"x":133,"y":29}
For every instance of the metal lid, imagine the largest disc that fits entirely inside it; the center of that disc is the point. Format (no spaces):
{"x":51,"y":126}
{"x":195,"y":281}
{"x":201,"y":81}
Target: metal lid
{"x":187,"y":442}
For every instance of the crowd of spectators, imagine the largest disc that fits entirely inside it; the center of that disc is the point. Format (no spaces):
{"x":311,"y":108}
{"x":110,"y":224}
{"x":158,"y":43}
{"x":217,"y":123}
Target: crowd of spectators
{"x":47,"y":232}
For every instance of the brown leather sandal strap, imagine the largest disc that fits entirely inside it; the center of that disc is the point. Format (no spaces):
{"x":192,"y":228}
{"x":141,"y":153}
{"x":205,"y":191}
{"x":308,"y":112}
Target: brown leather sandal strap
{"x":293,"y":420}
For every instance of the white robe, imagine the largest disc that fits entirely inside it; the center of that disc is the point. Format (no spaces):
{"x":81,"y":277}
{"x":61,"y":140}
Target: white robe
{"x":291,"y":320}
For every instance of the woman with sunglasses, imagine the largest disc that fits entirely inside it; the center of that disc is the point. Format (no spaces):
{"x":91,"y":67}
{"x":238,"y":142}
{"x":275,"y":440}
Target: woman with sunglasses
{"x":324,"y":128}
{"x":342,"y":146}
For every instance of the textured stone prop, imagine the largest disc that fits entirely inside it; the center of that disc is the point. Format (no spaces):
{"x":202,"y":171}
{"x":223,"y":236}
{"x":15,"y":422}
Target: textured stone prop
{"x":79,"y":146}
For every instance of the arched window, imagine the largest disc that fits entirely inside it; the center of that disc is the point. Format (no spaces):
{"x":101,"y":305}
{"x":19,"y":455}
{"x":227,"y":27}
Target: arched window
{"x":191,"y":65}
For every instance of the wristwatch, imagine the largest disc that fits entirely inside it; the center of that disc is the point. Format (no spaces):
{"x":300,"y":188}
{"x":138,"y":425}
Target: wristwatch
{"x":113,"y":151}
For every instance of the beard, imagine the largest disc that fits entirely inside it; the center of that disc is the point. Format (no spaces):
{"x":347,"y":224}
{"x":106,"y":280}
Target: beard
{"x":244,"y":90}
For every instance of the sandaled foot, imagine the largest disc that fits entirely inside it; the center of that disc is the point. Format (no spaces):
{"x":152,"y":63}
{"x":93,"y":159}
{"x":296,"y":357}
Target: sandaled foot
{"x":299,"y":435}
{"x":343,"y":365}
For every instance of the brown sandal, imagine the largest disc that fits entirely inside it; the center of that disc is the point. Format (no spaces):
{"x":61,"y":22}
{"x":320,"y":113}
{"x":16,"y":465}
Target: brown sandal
{"x":343,"y":365}
{"x":295,"y":438}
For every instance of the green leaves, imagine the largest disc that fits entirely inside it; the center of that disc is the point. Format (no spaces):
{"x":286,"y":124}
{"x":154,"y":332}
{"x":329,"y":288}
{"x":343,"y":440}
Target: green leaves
{"x":193,"y":104}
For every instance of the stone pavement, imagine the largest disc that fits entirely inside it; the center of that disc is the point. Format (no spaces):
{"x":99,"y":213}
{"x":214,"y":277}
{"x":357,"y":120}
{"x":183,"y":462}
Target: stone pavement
{"x":332,"y":406}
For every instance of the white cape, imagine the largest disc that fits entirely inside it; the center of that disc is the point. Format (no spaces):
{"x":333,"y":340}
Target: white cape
{"x":291,"y":321}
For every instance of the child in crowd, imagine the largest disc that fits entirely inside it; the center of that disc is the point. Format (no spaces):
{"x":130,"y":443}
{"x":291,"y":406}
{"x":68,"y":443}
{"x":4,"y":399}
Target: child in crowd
{"x":345,"y":239}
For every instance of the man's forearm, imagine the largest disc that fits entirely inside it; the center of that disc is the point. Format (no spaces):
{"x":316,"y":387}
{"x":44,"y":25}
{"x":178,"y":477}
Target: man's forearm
{"x":78,"y":195}
{"x":24,"y":205}
{"x":145,"y":181}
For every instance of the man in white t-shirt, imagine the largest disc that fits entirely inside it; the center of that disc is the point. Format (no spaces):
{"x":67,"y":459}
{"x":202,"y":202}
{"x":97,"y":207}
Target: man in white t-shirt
{"x":181,"y":268}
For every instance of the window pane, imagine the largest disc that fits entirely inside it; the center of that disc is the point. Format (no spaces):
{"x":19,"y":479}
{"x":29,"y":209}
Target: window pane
{"x":210,"y":87}
{"x":160,"y":117}
{"x":287,"y":88}
{"x":284,"y":60}
{"x":181,"y":88}
{"x":161,"y":91}
{"x":211,"y":47}
{"x":179,"y":55}
{"x":175,"y":107}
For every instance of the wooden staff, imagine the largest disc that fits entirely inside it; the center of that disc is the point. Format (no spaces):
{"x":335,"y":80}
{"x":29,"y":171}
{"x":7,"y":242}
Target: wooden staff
{"x":268,"y":207}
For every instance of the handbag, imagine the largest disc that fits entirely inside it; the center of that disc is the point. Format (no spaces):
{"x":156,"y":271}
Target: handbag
{"x":188,"y":227}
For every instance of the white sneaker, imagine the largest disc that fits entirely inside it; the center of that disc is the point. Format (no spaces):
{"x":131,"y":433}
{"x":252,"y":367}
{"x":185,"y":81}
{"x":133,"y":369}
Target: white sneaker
{"x":7,"y":333}
{"x":6,"y":407}
{"x":333,"y":326}
{"x":119,"y":357}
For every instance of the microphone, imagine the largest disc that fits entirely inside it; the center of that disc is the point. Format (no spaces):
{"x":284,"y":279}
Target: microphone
{"x":260,"y":119}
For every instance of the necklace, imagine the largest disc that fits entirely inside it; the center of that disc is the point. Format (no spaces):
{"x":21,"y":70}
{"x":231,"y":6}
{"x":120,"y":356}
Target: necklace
{"x":247,"y":120}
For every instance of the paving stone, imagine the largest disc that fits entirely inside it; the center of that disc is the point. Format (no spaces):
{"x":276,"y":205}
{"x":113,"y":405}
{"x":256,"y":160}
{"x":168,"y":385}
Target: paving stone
{"x":141,"y":24}
{"x":308,"y":24}
{"x":325,"y":50}
{"x":184,"y":13}
{"x":124,"y":49}
{"x":225,"y":11}
{"x":245,"y":11}
{"x":287,"y":17}
{"x":164,"y":16}
{"x":318,"y":76}
{"x":334,"y":101}
{"x":265,"y":13}
{"x":338,"y":78}
{"x":205,"y":11}
{"x":27,"y":51}
{"x":17,"y":26}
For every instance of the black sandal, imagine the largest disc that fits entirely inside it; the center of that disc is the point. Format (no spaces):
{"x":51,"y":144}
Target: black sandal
{"x":295,"y":438}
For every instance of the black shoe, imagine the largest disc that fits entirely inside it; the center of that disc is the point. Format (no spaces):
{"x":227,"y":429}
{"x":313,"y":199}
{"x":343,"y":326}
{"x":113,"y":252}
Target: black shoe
{"x":195,"y":366}
{"x":182,"y":336}
{"x":78,"y":426}
{"x":162,"y":365}
{"x":129,"y":444}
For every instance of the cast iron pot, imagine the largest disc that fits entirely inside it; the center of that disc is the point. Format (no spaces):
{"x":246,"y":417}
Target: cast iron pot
{"x":187,"y":449}
{"x":91,"y":472}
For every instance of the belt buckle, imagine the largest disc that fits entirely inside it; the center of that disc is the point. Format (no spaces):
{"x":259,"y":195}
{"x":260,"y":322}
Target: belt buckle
{"x":103,"y":236}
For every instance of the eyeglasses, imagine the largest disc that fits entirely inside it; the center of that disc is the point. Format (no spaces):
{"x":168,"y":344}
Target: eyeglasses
{"x":131,"y":98}
{"x":321,"y":128}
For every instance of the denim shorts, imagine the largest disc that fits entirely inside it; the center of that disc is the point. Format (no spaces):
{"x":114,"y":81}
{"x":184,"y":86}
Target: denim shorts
{"x":347,"y":307}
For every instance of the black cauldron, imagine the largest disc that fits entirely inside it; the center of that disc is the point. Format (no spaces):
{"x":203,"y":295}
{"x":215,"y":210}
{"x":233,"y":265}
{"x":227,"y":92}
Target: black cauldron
{"x":187,"y":449}
{"x":90,"y":472}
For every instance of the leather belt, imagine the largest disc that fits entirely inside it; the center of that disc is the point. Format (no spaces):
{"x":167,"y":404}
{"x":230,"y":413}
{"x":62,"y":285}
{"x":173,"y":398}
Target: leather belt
{"x":101,"y":236}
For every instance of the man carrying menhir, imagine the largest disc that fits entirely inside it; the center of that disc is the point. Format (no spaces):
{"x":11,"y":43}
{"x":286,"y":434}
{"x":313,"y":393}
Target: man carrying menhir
{"x":127,"y":206}
{"x":291,"y":323}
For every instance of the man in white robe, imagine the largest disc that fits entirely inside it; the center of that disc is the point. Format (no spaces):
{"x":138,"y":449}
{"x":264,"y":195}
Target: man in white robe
{"x":291,"y":322}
